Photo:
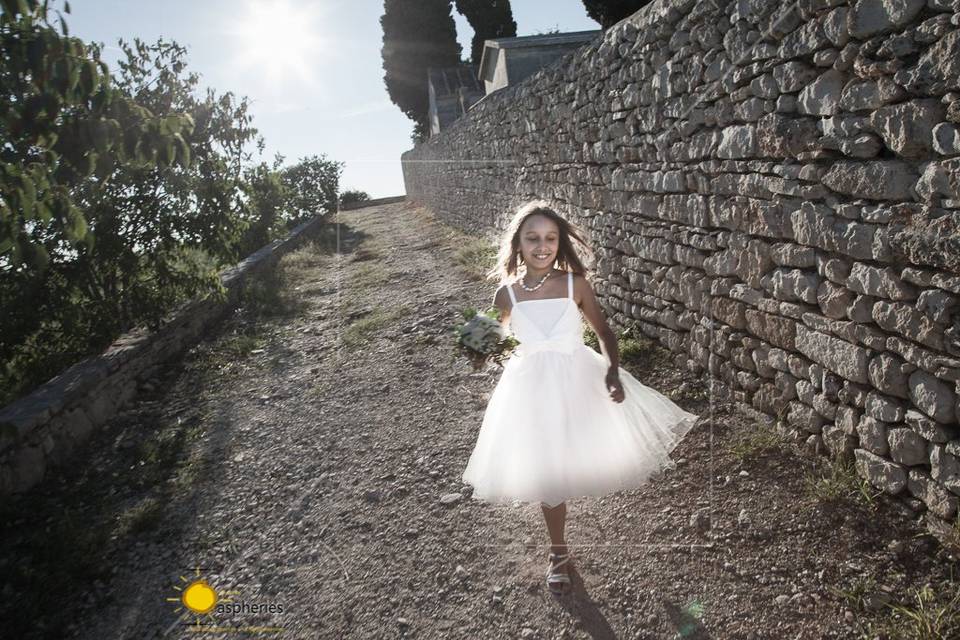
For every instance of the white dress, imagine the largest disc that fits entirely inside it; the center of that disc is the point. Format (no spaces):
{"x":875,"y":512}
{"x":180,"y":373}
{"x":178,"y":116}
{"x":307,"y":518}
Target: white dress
{"x":551,"y":431}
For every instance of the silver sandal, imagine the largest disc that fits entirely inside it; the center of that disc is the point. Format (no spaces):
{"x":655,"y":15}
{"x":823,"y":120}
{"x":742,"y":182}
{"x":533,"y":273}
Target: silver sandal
{"x":554,"y":577}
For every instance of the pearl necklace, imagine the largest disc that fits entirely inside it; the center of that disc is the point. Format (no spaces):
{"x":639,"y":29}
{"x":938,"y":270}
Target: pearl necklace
{"x":540,"y":284}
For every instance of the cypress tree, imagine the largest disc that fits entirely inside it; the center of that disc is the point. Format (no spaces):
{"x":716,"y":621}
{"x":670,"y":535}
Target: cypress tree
{"x":610,"y":12}
{"x":489,"y":19}
{"x":417,"y":34}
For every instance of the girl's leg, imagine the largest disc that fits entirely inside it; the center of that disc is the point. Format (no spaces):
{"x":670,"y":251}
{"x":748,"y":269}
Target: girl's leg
{"x":556,"y":519}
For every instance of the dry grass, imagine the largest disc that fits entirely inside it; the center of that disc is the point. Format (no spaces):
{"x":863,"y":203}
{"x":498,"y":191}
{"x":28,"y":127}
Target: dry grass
{"x":926,"y":613}
{"x":759,"y":442}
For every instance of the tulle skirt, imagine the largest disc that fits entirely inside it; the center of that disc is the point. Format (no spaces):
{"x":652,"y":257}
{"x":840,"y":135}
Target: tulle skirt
{"x":552,"y":432}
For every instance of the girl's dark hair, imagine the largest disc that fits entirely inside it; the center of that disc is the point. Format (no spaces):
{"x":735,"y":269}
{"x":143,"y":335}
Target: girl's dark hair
{"x":509,"y":257}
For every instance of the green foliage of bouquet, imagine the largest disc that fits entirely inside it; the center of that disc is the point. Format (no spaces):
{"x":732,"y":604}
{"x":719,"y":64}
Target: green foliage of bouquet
{"x":482,"y":337}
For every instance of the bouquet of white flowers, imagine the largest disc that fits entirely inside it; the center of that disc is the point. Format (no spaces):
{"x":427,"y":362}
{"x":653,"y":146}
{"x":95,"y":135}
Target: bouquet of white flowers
{"x":482,"y":337}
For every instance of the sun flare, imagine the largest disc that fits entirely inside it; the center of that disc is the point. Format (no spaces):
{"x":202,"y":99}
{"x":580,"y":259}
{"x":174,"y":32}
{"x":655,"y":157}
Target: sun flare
{"x":277,"y":39}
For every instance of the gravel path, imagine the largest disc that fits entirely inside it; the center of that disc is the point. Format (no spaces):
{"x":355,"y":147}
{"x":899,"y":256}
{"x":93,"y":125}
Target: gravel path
{"x":305,"y":476}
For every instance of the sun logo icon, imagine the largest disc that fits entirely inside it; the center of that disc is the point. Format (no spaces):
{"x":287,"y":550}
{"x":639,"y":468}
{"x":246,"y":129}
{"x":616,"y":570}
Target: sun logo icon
{"x":198,"y":596}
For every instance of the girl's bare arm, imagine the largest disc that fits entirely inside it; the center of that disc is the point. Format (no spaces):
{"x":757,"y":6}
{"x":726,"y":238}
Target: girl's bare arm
{"x":502,"y":302}
{"x":587,"y":300}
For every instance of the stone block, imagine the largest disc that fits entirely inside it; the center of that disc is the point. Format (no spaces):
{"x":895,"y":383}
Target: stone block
{"x":834,"y":300}
{"x":738,"y":141}
{"x":731,"y":312}
{"x":804,"y":417}
{"x":869,"y":18}
{"x":934,"y":495}
{"x":928,"y":428}
{"x":882,"y":282}
{"x":847,"y":419}
{"x":868,"y":94}
{"x":883,"y":407}
{"x":906,"y":446}
{"x":880,"y":472}
{"x":822,"y":96}
{"x":27,"y":468}
{"x":906,"y":320}
{"x":875,"y":179}
{"x":843,"y":358}
{"x":795,"y":285}
{"x":933,"y":397}
{"x":776,"y":330}
{"x":886,"y":372}
{"x":837,"y":442}
{"x":873,"y":435}
{"x":907,"y":127}
{"x":945,"y":468}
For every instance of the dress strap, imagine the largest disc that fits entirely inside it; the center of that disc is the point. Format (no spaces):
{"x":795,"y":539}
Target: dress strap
{"x":513,"y":298}
{"x":570,"y":284}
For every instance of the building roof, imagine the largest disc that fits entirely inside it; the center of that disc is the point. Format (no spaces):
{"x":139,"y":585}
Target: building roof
{"x":540,"y":40}
{"x":544,"y":39}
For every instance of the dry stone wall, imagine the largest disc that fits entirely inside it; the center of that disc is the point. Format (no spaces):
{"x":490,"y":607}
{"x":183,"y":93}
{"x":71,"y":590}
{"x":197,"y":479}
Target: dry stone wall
{"x":773,"y":193}
{"x":359,"y":204}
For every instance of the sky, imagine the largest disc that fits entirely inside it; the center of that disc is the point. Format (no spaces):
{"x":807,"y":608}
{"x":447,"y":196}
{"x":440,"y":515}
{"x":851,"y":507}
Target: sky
{"x":324,"y":95}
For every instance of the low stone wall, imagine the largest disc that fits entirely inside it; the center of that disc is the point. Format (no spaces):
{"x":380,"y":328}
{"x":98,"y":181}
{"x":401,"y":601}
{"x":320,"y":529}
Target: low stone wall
{"x":372,"y":203}
{"x":42,"y":429}
{"x":772,"y":190}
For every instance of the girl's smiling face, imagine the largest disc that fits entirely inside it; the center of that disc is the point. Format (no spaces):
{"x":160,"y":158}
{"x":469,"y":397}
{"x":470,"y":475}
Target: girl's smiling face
{"x":539,"y":241}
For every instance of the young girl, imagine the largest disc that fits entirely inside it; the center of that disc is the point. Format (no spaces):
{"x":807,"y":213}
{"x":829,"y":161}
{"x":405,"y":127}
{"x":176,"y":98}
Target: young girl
{"x":563,"y":421}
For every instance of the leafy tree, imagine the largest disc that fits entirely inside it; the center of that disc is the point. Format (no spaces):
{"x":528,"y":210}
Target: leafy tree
{"x":489,"y":19}
{"x":278,"y":198}
{"x":417,"y":34}
{"x":610,"y":12}
{"x":61,"y":122}
{"x":266,"y":196}
{"x":147,"y":216}
{"x":351,"y":196}
{"x":312,"y":184}
{"x":157,"y":169}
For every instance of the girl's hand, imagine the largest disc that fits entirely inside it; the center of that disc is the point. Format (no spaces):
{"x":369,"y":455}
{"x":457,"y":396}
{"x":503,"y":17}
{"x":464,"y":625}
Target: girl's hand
{"x":614,"y":386}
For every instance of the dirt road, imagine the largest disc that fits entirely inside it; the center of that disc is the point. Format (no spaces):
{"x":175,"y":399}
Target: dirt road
{"x":303,"y":463}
